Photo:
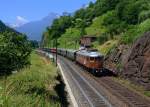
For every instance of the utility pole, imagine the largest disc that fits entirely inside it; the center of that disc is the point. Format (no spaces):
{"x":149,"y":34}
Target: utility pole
{"x":65,"y":44}
{"x":75,"y":44}
{"x":56,"y":51}
{"x":53,"y":48}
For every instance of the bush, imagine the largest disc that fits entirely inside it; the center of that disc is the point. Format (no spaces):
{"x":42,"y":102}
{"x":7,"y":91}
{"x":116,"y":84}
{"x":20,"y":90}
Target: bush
{"x":144,"y":15}
{"x":102,"y":38}
{"x":135,"y":32}
{"x":14,"y":52}
{"x":129,"y":10}
{"x":33,"y":87}
{"x":113,"y":24}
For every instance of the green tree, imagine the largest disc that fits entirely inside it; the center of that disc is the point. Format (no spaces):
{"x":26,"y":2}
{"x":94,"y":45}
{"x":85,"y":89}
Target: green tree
{"x":113,"y":24}
{"x":103,"y":6}
{"x":34,"y":44}
{"x":129,"y":10}
{"x":59,"y":26}
{"x":14,"y":52}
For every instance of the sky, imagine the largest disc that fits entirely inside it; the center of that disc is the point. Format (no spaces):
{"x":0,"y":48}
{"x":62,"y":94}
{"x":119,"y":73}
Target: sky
{"x":31,"y":10}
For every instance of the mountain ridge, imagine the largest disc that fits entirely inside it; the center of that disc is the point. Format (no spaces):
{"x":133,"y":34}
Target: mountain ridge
{"x":35,"y":29}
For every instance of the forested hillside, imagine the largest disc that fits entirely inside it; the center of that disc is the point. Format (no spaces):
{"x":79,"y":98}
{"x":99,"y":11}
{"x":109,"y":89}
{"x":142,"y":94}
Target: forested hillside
{"x":112,"y":21}
{"x":118,"y":24}
{"x":14,"y":50}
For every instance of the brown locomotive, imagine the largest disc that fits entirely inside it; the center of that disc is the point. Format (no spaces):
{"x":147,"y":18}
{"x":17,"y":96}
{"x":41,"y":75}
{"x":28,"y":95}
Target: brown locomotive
{"x":92,"y":60}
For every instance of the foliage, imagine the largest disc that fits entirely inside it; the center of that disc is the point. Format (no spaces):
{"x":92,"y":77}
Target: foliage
{"x":107,"y":46}
{"x":113,"y":24}
{"x":102,"y":38}
{"x":109,"y":17}
{"x":34,"y":87}
{"x":102,"y":6}
{"x":59,"y":26}
{"x":34,"y":44}
{"x":129,"y":10}
{"x":14,"y":52}
{"x":144,"y":15}
{"x":70,"y":38}
{"x":96,"y":27}
{"x":135,"y":32}
{"x":45,"y":39}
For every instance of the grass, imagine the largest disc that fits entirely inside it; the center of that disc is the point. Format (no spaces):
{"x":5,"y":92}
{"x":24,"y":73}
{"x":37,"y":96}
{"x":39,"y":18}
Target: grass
{"x":107,"y":46}
{"x":31,"y":87}
{"x":133,"y":87}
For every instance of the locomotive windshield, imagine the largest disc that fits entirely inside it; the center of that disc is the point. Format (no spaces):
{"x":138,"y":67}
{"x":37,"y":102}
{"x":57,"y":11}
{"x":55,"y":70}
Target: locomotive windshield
{"x":92,"y":58}
{"x":98,"y":58}
{"x":95,"y":58}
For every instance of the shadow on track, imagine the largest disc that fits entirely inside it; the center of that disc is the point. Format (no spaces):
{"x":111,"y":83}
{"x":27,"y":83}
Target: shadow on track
{"x":61,"y":92}
{"x":106,"y":72}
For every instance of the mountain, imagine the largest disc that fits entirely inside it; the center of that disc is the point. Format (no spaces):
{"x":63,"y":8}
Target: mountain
{"x":5,"y":28}
{"x":35,"y":29}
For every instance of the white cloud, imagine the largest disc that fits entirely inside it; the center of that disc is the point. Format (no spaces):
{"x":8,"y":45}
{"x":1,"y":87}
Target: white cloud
{"x":19,"y":22}
{"x":21,"y":19}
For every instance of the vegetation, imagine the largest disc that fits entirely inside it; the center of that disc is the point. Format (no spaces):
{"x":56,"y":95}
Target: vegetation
{"x":15,"y":50}
{"x":107,"y":46}
{"x":34,"y":44}
{"x":135,"y":31}
{"x":105,"y":19}
{"x":33,"y":87}
{"x":72,"y":35}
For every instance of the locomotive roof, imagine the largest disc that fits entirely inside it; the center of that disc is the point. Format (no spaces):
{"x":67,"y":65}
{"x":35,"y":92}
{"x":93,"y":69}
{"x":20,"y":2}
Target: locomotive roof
{"x":90,"y":53}
{"x":71,"y":50}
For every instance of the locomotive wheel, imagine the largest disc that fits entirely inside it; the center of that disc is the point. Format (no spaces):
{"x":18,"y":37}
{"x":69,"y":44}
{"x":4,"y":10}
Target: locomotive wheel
{"x":101,"y":72}
{"x":94,"y":72}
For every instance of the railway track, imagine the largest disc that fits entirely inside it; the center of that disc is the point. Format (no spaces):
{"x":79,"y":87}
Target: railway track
{"x":125,"y":95}
{"x":86,"y":95}
{"x":103,"y":90}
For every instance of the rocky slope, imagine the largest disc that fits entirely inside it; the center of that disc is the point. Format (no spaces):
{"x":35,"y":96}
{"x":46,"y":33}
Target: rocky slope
{"x":137,"y":66}
{"x":133,"y":62}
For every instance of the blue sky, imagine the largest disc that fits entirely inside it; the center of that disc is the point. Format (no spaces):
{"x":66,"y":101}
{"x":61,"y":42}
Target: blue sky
{"x":31,"y":10}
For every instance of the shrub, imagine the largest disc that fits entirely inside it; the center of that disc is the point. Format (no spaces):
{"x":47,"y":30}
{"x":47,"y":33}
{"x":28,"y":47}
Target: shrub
{"x":144,"y":15}
{"x":113,"y":24}
{"x":102,"y":38}
{"x":14,"y":52}
{"x":33,"y":87}
{"x":135,"y":32}
{"x":129,"y":10}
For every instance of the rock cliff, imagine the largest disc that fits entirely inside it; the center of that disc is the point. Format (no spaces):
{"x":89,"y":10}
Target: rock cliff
{"x":132,"y":62}
{"x":137,"y":65}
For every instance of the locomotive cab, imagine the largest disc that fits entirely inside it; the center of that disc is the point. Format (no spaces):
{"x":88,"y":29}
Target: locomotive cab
{"x":92,"y":60}
{"x":96,"y":64}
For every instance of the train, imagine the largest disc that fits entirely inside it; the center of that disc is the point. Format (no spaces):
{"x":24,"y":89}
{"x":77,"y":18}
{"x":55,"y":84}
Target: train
{"x":90,"y":59}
